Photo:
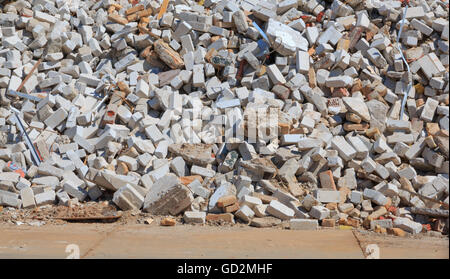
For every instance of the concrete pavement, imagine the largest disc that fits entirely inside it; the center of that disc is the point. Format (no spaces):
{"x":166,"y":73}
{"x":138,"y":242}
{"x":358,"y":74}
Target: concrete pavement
{"x":186,"y":241}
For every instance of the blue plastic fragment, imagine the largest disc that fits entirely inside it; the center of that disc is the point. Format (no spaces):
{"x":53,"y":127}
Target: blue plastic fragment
{"x":263,"y":47}
{"x":261,"y":31}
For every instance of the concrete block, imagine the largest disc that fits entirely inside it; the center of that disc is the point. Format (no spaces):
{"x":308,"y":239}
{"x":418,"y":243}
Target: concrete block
{"x":245,"y":213}
{"x":319,"y":212}
{"x":326,"y":196}
{"x":279,"y":210}
{"x":128,"y":198}
{"x":47,"y":197}
{"x":193,"y":217}
{"x":407,"y":225}
{"x":167,"y":196}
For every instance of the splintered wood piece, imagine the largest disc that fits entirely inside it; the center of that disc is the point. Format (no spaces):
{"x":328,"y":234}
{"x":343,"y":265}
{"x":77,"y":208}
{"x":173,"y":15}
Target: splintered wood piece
{"x":145,"y":13}
{"x":168,"y":55}
{"x":132,"y":17}
{"x":117,"y":19}
{"x":163,"y":9}
{"x":29,"y":75}
{"x":134,"y":9}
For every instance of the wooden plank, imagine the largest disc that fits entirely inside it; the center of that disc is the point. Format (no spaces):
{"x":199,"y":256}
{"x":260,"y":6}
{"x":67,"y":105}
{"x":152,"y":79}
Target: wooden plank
{"x":134,"y":9}
{"x":117,"y":18}
{"x":163,"y":9}
{"x":429,"y":212}
{"x":29,"y":75}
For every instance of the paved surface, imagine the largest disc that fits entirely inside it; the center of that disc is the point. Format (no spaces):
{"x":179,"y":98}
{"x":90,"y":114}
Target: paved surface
{"x":185,"y":241}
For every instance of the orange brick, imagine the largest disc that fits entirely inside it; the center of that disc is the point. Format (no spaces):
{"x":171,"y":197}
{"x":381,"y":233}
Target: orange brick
{"x":226,"y":201}
{"x":353,"y":222}
{"x":340,"y":92}
{"x":224,"y":217}
{"x":301,"y":130}
{"x":231,"y":208}
{"x":355,"y":127}
{"x":284,"y":128}
{"x":264,"y":198}
{"x":186,"y":180}
{"x":168,"y":222}
{"x":329,"y":223}
{"x":396,"y":232}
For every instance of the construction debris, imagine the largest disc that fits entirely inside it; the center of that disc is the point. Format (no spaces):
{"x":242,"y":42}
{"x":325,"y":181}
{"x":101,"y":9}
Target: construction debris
{"x":304,"y":113}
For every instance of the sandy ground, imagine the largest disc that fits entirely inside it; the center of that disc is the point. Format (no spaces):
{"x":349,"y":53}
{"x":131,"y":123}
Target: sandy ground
{"x":117,"y":240}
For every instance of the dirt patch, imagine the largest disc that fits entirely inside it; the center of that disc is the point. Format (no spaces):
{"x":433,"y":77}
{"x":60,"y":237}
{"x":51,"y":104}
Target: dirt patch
{"x":401,"y":247}
{"x":52,"y":214}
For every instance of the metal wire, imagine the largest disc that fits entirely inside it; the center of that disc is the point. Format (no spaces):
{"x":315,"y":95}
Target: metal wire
{"x":408,"y":88}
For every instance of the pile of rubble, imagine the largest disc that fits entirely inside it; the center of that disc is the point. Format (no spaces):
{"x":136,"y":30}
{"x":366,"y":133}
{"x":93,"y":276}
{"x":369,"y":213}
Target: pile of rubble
{"x":306,"y":112}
